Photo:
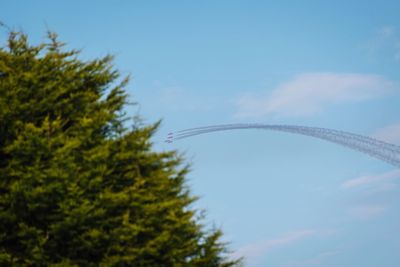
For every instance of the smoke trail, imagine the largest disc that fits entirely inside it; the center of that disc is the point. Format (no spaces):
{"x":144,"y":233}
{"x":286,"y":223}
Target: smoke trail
{"x":373,"y":147}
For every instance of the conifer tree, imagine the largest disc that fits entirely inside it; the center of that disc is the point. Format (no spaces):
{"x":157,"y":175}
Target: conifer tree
{"x":78,"y":187}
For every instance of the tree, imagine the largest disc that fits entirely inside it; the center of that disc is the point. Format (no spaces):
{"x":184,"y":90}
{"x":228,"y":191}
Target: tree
{"x":77,"y":186}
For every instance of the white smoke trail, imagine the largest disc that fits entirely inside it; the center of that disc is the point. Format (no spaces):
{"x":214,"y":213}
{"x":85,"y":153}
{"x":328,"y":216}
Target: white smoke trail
{"x":387,"y":152}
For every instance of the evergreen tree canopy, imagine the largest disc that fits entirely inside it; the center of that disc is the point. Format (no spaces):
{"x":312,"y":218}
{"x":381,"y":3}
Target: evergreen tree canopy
{"x":79,"y":188}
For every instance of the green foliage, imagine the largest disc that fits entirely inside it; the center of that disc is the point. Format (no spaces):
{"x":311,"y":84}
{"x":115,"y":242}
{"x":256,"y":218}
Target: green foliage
{"x":77,"y":188}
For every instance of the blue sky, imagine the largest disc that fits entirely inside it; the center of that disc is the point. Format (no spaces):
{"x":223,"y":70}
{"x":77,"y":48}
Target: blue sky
{"x":282,"y":200}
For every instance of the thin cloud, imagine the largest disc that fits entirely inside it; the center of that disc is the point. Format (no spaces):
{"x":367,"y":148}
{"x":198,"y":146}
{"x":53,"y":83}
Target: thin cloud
{"x":385,"y":44}
{"x":176,"y":98}
{"x":308,"y":94}
{"x":389,"y":134}
{"x":315,"y":261}
{"x":387,"y":31}
{"x":368,"y":211}
{"x":253,"y":252}
{"x":378,"y":183}
{"x":383,"y":182}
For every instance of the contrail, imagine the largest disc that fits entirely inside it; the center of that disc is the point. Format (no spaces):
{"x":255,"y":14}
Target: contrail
{"x":387,"y":152}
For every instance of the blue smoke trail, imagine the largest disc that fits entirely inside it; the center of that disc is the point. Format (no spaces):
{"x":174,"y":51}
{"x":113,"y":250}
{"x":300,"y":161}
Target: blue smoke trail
{"x":387,"y":152}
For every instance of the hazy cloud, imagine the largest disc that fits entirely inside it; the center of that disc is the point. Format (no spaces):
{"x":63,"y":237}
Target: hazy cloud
{"x":381,"y":182}
{"x":310,"y":93}
{"x":385,"y":43}
{"x":253,"y":252}
{"x":368,"y":211}
{"x":367,"y":184}
{"x":315,"y":261}
{"x":179,"y":99}
{"x":389,"y":134}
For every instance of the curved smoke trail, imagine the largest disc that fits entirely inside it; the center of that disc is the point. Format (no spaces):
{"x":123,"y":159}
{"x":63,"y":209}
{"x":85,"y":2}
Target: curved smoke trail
{"x":373,"y":147}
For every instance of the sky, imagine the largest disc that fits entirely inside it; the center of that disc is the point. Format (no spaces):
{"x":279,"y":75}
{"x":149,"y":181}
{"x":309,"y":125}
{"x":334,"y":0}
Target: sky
{"x":282,"y":200}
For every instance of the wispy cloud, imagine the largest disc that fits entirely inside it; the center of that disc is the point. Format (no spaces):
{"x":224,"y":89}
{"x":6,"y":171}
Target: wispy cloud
{"x":368,"y":211}
{"x":176,"y":98}
{"x":369,"y":186}
{"x":389,"y":134}
{"x":318,"y":260}
{"x":253,"y":252}
{"x":385,"y":43}
{"x":380,"y":182}
{"x":387,"y":31}
{"x":310,"y":93}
